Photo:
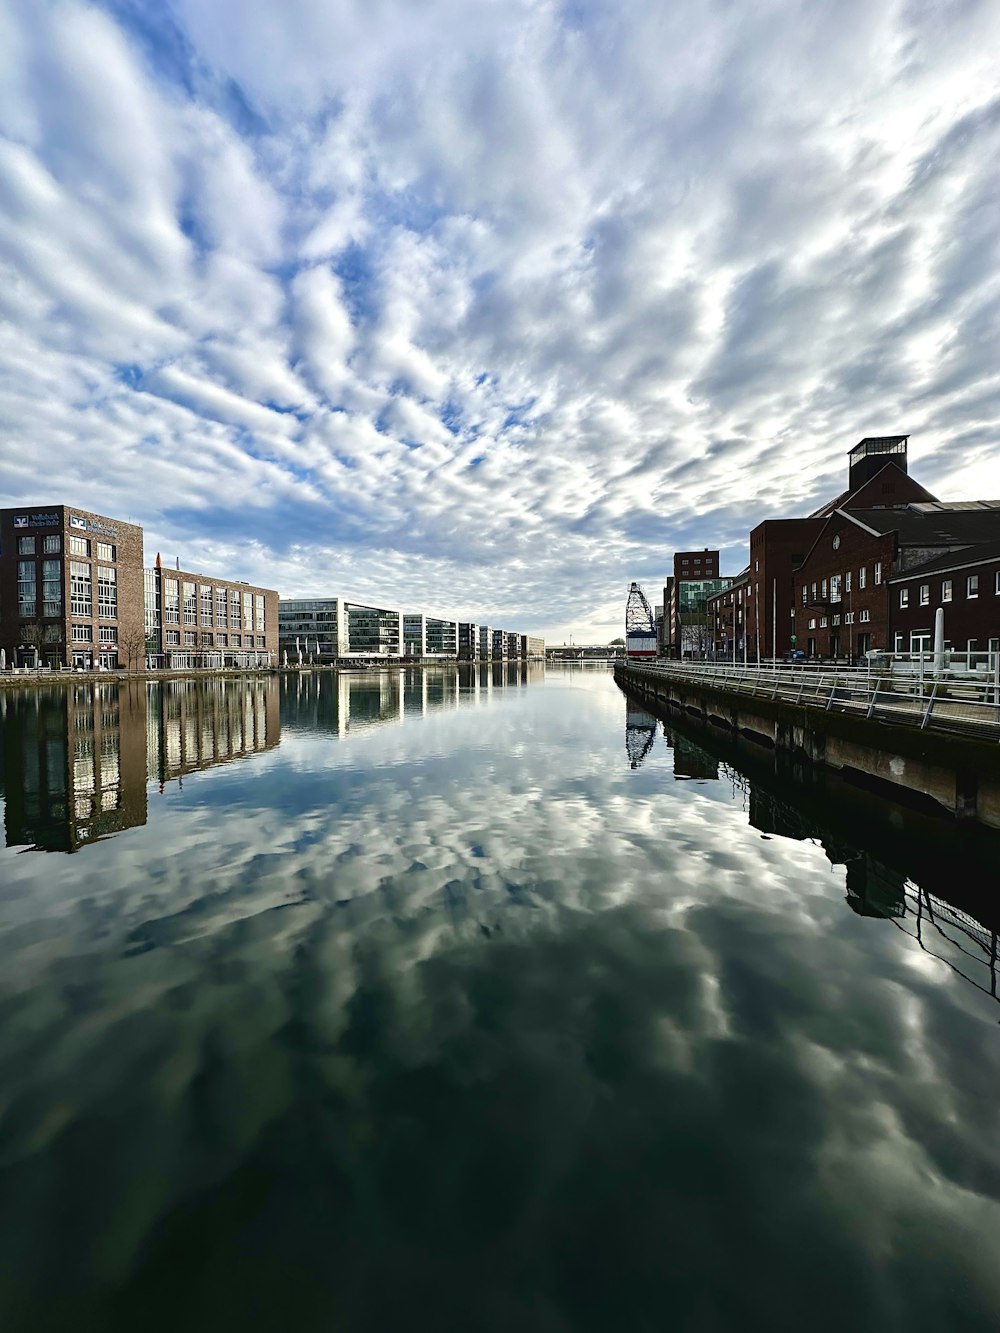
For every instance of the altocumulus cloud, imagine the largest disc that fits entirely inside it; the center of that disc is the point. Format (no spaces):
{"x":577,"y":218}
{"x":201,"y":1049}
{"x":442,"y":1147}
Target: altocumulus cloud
{"x":485,"y":308}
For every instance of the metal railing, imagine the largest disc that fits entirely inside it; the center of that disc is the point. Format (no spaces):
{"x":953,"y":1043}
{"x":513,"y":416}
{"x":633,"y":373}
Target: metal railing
{"x":908,"y":692}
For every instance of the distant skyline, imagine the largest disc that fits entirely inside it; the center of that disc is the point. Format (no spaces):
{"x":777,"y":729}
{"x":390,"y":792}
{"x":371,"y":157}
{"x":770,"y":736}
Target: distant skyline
{"x":484,"y":309}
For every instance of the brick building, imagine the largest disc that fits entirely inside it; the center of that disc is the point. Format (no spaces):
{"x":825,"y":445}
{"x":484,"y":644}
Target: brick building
{"x":70,"y":588}
{"x":841,"y":591}
{"x":966,"y":585}
{"x":686,"y":630}
{"x":200,"y":620}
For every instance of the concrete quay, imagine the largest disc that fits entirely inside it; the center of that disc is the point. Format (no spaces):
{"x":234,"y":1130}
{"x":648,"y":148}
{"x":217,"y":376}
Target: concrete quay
{"x":938,"y":748}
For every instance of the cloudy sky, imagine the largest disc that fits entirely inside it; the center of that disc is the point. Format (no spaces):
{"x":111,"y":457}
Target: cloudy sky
{"x":485,"y":308}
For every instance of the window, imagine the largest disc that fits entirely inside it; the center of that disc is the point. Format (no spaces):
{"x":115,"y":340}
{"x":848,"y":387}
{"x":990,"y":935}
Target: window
{"x":996,"y":584}
{"x":81,"y":589}
{"x":904,"y":597}
{"x":849,"y":618}
{"x":878,"y":571}
{"x":51,"y":588}
{"x":864,"y":617}
{"x":171,"y":602}
{"x":925,"y":594}
{"x":812,"y":623}
{"x":83,"y":634}
{"x":847,"y":581}
{"x":79,"y":546}
{"x":898,"y":643}
{"x":946,"y":590}
{"x":814,"y":594}
{"x":259,"y":605}
{"x":234,"y":609}
{"x":823,"y":588}
{"x":835,"y":620}
{"x":26,"y":546}
{"x":105,"y":551}
{"x":190,"y":605}
{"x":206,"y":640}
{"x":190,"y":638}
{"x":109,"y":634}
{"x":862,"y":577}
{"x":107,"y":592}
{"x":972,"y":586}
{"x":223,"y":640}
{"x":805,"y":595}
{"x":205,"y":598}
{"x":235,"y":640}
{"x":248,"y":610}
{"x":972,"y":646}
{"x":173,"y":637}
{"x":51,"y":545}
{"x":261,"y":641}
{"x":220,"y":606}
{"x":27,"y":606}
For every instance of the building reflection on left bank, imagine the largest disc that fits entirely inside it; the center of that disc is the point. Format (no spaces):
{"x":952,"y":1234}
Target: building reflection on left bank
{"x":76,"y":761}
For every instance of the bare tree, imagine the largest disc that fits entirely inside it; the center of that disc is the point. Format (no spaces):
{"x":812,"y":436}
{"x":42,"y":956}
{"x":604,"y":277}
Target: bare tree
{"x":132,"y":644}
{"x":33,"y":636}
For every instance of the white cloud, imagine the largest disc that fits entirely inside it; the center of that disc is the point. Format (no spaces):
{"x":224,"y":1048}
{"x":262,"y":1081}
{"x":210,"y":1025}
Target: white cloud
{"x":478,"y":289}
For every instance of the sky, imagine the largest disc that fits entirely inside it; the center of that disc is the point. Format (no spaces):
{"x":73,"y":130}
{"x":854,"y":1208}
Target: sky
{"x":484,"y":307}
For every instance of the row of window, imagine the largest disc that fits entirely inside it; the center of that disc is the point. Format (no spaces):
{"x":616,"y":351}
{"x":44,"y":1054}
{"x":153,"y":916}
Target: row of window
{"x":172,"y":638}
{"x":238,"y":610}
{"x":839,"y":584}
{"x":52,"y":545}
{"x":864,"y":618}
{"x":971,"y":590}
{"x":85,"y":634}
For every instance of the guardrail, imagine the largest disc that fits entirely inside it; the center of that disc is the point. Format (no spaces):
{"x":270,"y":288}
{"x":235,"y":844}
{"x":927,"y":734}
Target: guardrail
{"x":960,"y":703}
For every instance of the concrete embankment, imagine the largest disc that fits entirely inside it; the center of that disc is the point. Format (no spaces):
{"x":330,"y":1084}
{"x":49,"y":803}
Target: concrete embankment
{"x":960,"y":774}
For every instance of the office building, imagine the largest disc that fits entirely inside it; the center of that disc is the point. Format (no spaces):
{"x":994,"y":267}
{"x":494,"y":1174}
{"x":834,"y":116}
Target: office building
{"x":201,"y":620}
{"x":70,"y":588}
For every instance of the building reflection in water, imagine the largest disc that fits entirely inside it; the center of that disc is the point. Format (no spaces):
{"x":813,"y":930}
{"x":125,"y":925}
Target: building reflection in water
{"x":351,"y":701}
{"x":193,"y":725}
{"x":76,"y":760}
{"x":899,"y":867}
{"x":74,"y":764}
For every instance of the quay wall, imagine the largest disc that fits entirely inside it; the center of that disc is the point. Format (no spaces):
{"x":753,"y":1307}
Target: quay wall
{"x":960,"y":775}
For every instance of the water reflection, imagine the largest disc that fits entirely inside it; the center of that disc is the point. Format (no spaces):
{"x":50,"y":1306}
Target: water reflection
{"x":463,"y":1020}
{"x":900,"y":867}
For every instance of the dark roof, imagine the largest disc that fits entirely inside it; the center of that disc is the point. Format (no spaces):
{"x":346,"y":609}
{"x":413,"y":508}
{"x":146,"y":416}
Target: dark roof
{"x":933,"y":523}
{"x":982,"y":553}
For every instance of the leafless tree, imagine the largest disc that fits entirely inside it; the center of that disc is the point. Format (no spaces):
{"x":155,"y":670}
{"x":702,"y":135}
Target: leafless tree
{"x":132,"y":645}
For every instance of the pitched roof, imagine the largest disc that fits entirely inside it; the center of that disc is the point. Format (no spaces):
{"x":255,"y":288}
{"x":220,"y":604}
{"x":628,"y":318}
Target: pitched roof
{"x":935,"y":524}
{"x":982,"y":553}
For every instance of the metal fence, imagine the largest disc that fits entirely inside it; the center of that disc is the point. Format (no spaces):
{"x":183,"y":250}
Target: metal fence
{"x":904,"y":689}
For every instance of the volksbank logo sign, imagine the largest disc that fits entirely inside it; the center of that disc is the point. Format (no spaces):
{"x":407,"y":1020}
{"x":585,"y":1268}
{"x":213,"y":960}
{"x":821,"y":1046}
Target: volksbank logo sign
{"x":36,"y":520}
{"x":92,"y":525}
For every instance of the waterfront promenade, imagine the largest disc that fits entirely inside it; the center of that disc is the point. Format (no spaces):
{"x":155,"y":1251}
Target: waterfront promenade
{"x":928,"y":736}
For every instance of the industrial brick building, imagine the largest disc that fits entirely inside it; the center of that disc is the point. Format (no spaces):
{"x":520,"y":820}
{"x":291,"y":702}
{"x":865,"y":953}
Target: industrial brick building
{"x":201,"y":620}
{"x":70,"y":588}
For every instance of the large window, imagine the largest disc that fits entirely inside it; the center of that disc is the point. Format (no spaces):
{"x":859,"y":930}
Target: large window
{"x":234,"y":608}
{"x":107,"y":592}
{"x":52,"y":588}
{"x":171,"y":602}
{"x":83,"y":634}
{"x":173,"y":637}
{"x":51,"y":545}
{"x":205,"y":603}
{"x":190,"y":605}
{"x":27,"y":604}
{"x":248,"y":610}
{"x":878,"y":571}
{"x":105,"y":551}
{"x":109,"y":634}
{"x":220,"y":606}
{"x":79,"y":546}
{"x":26,"y":546}
{"x":259,"y":605}
{"x":81,"y":589}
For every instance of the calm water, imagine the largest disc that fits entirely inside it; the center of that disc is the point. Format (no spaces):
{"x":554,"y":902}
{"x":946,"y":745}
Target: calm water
{"x":478,"y":1001}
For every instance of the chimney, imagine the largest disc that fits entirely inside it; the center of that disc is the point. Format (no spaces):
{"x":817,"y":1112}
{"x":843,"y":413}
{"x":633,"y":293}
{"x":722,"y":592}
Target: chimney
{"x":159,"y":562}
